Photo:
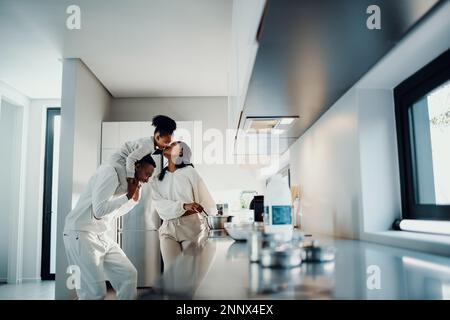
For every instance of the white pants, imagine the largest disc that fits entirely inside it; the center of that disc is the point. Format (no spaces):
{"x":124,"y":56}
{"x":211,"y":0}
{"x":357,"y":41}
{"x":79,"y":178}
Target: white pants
{"x":99,"y":258}
{"x":176,"y":235}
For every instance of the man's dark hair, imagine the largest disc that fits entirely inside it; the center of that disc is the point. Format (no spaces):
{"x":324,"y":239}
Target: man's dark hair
{"x":147,"y":159}
{"x":164,"y":125}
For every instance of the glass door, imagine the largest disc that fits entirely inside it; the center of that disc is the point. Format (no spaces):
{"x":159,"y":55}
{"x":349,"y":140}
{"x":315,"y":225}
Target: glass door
{"x":52,"y":135}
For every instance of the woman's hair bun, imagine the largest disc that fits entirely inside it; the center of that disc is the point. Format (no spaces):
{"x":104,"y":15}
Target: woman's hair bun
{"x":164,"y":125}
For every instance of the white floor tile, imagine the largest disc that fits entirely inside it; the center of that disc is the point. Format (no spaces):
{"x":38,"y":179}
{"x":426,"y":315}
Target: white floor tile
{"x":42,"y":290}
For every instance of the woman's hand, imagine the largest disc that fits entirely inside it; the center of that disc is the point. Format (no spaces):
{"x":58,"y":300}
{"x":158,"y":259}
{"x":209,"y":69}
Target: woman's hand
{"x":188,"y":213}
{"x":194,"y":206}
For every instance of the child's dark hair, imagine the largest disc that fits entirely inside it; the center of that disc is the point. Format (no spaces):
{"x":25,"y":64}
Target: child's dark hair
{"x":164,"y":125}
{"x":147,"y":159}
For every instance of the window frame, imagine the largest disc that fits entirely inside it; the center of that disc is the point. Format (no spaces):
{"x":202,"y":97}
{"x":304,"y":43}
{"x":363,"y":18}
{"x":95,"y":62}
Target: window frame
{"x":406,"y":94}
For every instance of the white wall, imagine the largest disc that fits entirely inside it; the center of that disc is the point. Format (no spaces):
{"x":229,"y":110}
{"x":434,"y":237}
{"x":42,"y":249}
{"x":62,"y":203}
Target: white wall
{"x":8,"y":198}
{"x":85,"y":104}
{"x":226,"y":182}
{"x":324,"y":163}
{"x":380,"y":177}
{"x":16,"y":219}
{"x":12,"y":95}
{"x":347,"y":163}
{"x":34,"y":189}
{"x":347,"y":167}
{"x":212,"y":111}
{"x":32,"y":126}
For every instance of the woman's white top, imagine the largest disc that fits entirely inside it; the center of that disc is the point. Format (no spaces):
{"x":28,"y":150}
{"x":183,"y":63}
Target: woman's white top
{"x":182,"y":186}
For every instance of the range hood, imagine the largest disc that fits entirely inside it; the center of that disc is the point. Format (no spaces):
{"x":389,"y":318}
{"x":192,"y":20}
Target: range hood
{"x":264,"y":136}
{"x":312,"y":51}
{"x":268,"y":125}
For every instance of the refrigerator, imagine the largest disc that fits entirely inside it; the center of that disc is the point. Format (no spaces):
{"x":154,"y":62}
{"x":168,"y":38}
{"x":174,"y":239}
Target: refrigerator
{"x":137,"y":235}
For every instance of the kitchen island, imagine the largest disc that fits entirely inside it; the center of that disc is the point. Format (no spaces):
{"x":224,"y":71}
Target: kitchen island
{"x":220,"y":269}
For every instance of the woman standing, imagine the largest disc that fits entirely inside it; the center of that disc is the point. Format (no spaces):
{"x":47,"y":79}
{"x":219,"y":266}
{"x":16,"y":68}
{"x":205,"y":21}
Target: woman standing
{"x":180,"y":195}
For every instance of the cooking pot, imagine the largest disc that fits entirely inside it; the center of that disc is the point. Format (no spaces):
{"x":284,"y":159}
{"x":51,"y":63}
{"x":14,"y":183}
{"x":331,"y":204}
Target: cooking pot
{"x":317,"y":253}
{"x":281,"y":257}
{"x":218,"y":222}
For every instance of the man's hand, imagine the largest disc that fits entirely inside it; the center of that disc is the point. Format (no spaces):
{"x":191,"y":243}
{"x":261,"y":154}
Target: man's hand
{"x":194,"y":206}
{"x":137,"y":193}
{"x":133,"y":186}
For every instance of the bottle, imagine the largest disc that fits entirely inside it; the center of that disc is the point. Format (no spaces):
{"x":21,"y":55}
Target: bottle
{"x":297,"y":208}
{"x":300,"y":214}
{"x":295,"y":212}
{"x":278,"y":208}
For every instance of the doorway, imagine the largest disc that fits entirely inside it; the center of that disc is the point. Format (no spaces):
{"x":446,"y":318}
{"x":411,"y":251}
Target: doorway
{"x":49,"y":213}
{"x":10,"y":144}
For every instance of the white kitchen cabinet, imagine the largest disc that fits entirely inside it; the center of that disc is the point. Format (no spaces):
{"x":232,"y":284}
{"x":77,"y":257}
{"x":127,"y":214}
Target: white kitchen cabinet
{"x":246,"y":17}
{"x":129,"y":131}
{"x":185,"y":132}
{"x":106,"y":154}
{"x":146,"y":129}
{"x":110,"y":135}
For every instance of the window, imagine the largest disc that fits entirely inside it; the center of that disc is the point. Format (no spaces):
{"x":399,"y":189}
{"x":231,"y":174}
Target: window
{"x":422,"y":105}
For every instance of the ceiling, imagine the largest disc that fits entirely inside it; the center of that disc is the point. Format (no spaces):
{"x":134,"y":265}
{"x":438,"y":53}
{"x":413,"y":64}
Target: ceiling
{"x":136,"y":48}
{"x":312,"y":51}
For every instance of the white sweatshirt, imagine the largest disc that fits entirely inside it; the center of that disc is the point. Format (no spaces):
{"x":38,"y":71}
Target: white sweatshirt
{"x":177,"y":188}
{"x":133,"y":151}
{"x":102,"y":200}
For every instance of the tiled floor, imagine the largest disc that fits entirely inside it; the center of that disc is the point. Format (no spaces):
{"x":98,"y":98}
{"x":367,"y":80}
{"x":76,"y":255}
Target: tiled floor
{"x":42,"y":290}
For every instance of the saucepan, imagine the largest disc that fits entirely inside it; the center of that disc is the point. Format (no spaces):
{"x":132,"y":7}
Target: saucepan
{"x":314,"y":252}
{"x":281,"y":257}
{"x":217,"y":222}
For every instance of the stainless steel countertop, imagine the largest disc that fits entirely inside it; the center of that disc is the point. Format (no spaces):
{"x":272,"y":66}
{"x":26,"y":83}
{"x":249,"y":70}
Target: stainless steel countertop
{"x":221,"y":270}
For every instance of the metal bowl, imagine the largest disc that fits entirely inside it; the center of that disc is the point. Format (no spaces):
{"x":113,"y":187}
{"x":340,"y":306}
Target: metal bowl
{"x":315,"y":253}
{"x":287,"y":257}
{"x":217,"y":222}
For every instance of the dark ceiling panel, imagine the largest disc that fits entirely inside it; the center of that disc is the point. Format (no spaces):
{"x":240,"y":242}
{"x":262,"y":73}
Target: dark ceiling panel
{"x":312,"y":51}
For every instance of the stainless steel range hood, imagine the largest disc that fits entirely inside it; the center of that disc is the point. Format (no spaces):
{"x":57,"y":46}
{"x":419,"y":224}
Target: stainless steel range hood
{"x":312,"y":51}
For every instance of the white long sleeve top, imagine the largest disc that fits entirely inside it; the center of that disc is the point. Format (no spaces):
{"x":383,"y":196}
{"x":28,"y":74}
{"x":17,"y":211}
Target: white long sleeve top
{"x":103,"y":199}
{"x":182,"y":186}
{"x":133,"y":151}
